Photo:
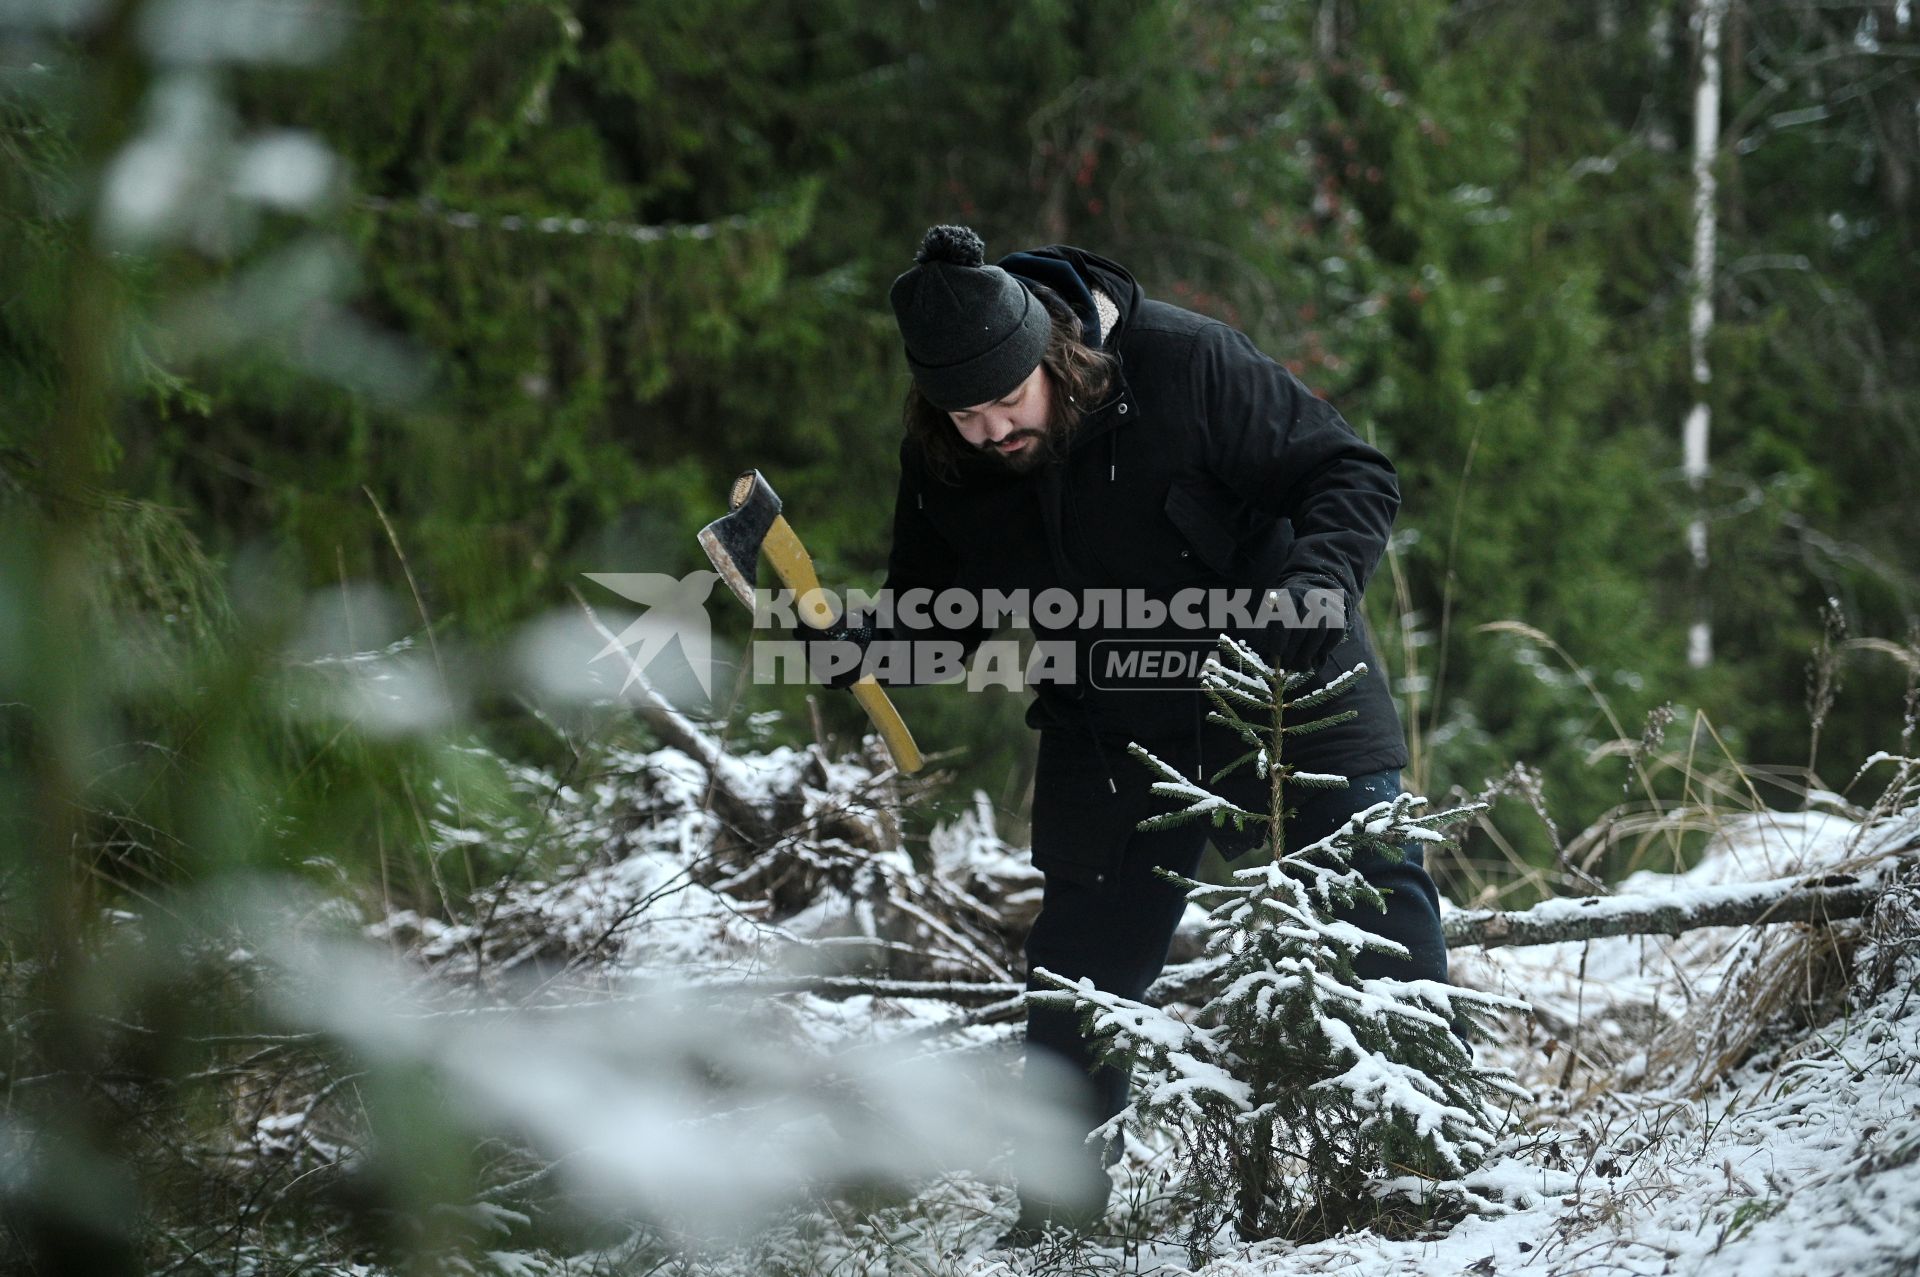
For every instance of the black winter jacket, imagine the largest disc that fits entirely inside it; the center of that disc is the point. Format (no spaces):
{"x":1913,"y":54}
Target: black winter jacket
{"x":1210,"y":465}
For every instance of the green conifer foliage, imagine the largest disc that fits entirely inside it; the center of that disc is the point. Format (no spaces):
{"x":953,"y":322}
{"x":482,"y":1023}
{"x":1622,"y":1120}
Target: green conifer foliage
{"x":1299,"y":1092}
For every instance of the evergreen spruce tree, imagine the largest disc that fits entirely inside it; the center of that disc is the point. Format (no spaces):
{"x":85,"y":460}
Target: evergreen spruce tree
{"x":1299,"y":1090}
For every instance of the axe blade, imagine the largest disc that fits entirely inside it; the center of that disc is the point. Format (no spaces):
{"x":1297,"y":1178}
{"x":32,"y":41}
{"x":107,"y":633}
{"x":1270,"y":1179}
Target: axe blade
{"x":732,"y":541}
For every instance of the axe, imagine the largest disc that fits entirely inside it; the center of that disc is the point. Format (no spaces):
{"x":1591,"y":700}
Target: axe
{"x":753,"y":525}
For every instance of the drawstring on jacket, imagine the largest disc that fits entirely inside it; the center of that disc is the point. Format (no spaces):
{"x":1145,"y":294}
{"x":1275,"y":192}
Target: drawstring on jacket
{"x":1101,"y":753}
{"x":1199,"y":747}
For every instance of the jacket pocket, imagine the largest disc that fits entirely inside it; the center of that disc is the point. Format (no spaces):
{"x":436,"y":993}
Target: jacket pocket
{"x":1187,"y":508}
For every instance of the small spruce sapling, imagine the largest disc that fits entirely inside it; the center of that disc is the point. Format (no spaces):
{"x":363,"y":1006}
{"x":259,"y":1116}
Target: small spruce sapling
{"x":1299,"y":1089}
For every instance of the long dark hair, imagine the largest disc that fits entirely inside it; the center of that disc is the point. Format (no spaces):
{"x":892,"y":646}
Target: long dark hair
{"x":1081,"y":376}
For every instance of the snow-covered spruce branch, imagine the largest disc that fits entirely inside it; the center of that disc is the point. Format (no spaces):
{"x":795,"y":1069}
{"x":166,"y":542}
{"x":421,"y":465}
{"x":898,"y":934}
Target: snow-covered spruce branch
{"x":1198,"y":801}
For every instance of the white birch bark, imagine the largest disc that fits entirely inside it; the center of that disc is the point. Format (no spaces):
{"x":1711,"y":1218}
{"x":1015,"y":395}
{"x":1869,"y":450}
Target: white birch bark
{"x":1695,"y":464}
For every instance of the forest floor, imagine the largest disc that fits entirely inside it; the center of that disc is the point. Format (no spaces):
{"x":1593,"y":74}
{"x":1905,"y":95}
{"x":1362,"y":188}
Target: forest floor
{"x":1730,"y":1100}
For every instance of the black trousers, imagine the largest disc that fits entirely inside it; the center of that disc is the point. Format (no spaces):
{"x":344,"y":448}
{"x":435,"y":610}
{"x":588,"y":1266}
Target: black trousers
{"x":1115,"y":927}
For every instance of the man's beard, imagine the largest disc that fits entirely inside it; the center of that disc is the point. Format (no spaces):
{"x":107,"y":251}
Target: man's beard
{"x":1049,"y":442}
{"x":1026,"y":458}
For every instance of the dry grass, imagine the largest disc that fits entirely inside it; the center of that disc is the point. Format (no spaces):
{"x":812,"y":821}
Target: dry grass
{"x":1729,"y":989}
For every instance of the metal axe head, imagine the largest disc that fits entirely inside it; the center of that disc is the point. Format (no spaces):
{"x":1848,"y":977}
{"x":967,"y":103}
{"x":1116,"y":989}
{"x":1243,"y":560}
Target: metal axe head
{"x":733,"y":540}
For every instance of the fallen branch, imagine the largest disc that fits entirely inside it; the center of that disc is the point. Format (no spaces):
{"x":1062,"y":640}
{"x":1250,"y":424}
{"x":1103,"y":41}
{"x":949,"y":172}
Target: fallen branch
{"x":1004,"y":1001}
{"x":1826,"y":899}
{"x":958,"y":992}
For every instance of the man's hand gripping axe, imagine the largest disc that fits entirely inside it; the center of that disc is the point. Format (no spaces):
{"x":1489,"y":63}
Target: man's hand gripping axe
{"x":754,"y":526}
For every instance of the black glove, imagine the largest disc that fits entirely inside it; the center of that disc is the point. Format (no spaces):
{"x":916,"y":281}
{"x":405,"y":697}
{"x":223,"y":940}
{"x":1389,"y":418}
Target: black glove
{"x":1306,"y":650}
{"x":835,"y":655}
{"x":1299,"y":648}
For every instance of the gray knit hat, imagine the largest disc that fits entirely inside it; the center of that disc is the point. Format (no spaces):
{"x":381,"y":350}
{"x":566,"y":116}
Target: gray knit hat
{"x":972,"y":331}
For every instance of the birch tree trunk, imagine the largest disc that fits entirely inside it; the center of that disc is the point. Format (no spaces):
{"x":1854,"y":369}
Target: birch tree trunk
{"x":1710,"y":16}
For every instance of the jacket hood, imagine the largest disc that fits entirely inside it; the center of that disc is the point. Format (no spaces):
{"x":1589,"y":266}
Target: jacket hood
{"x":1075,"y":273}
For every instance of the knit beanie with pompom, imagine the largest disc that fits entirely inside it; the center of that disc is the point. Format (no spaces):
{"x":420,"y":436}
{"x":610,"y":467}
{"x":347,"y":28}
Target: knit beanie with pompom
{"x":972,"y":332}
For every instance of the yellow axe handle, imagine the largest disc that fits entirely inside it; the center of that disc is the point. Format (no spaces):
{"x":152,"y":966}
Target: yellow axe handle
{"x":795,"y":568}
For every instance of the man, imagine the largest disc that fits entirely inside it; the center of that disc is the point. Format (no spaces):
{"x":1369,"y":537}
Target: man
{"x":1066,"y":432}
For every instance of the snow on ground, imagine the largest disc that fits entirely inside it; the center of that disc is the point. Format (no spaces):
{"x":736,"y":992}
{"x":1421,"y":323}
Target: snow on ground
{"x":1805,"y":1159}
